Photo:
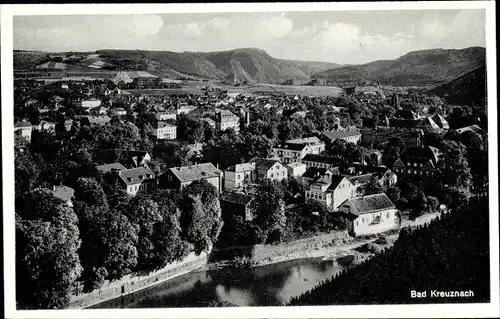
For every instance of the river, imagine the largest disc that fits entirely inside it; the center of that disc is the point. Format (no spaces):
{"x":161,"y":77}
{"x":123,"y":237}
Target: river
{"x":270,"y":285}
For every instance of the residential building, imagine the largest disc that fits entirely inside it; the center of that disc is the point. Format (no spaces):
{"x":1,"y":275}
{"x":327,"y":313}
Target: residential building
{"x":99,"y":110}
{"x":226,"y":119}
{"x":165,"y":131}
{"x":471,"y":128}
{"x":109,"y":168}
{"x":331,"y":190}
{"x":325,"y":161}
{"x":180,"y":177}
{"x":291,"y":153}
{"x":88,"y":104}
{"x":139,"y":179}
{"x":236,"y":204}
{"x":372,"y":137}
{"x":270,"y":169}
{"x":369,"y":215}
{"x":296,"y":169}
{"x":313,"y":173}
{"x":239,"y":175}
{"x":23,"y":129}
{"x":133,"y":159}
{"x":349,"y":135}
{"x":63,"y":193}
{"x":363,"y":173}
{"x":441,"y":122}
{"x":45,"y":126}
{"x":316,"y":145}
{"x":119,"y":111}
{"x":163,"y":116}
{"x":298,"y":114}
{"x":209,"y":121}
{"x":95,"y":120}
{"x":417,"y":162}
{"x":185,"y":109}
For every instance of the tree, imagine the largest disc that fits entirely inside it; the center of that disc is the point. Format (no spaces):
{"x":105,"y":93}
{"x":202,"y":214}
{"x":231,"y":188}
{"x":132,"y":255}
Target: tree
{"x":47,"y":262}
{"x":189,"y":129}
{"x":453,"y":166}
{"x":393,"y":193}
{"x":88,"y":190}
{"x":373,"y":187}
{"x":392,"y":150}
{"x":269,"y":209}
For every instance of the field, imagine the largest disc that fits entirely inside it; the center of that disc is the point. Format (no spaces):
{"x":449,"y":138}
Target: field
{"x":298,"y":90}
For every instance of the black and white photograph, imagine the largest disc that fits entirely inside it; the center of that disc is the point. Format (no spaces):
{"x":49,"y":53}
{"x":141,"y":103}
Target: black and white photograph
{"x":250,"y":160}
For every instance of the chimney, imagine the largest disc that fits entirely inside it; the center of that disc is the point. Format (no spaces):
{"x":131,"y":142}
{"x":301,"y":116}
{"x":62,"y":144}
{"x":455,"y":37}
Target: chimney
{"x":53,"y":187}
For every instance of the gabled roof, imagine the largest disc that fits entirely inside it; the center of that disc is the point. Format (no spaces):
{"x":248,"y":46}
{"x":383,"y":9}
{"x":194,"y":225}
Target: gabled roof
{"x":136,"y":175}
{"x":236,"y":198}
{"x":305,"y":140}
{"x":110,"y":167}
{"x":313,"y":172}
{"x":23,"y":124}
{"x":195,"y":172}
{"x":440,"y":121}
{"x":161,"y":124}
{"x":323,"y":159}
{"x":335,"y":180}
{"x":360,"y":179}
{"x":292,"y":147}
{"x":295,"y":165}
{"x":333,"y":135}
{"x":370,"y":204}
{"x":265,"y":164}
{"x":420,"y":154}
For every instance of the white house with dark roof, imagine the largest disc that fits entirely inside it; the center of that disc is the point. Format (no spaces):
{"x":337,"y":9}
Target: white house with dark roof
{"x":331,"y":190}
{"x":165,"y":131}
{"x":180,"y":177}
{"x":371,"y":214}
{"x":239,"y":175}
{"x":316,"y":145}
{"x":270,"y":169}
{"x":169,"y":115}
{"x":139,"y":179}
{"x":24,"y":129}
{"x":225,"y":119}
{"x":291,"y":153}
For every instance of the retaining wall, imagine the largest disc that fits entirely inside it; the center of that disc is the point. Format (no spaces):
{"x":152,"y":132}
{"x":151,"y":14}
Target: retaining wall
{"x":266,"y":254}
{"x":135,"y":282}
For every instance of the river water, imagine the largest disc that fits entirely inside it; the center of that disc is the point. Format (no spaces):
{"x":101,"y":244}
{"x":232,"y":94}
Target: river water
{"x":270,"y":285}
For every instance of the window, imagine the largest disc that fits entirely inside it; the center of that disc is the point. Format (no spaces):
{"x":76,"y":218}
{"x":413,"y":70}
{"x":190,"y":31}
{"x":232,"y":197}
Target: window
{"x":409,"y":164}
{"x":421,"y":164}
{"x":415,"y":164}
{"x":272,"y":175}
{"x":362,"y":220}
{"x":387,"y":215}
{"x":239,"y":176}
{"x":136,"y":188}
{"x":357,"y":223}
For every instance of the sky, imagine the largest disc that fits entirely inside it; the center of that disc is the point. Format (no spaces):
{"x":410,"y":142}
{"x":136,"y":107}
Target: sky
{"x":346,"y":37}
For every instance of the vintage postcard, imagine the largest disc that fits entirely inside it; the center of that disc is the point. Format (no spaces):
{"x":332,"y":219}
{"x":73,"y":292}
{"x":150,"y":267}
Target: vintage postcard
{"x":250,"y":160}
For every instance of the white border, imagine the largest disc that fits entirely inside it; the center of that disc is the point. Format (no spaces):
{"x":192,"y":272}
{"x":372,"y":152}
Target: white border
{"x":386,"y":311}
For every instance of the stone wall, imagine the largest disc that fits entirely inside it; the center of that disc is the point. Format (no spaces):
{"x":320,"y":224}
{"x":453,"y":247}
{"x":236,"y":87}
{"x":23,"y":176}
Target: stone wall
{"x":267,"y":254}
{"x":136,"y":281}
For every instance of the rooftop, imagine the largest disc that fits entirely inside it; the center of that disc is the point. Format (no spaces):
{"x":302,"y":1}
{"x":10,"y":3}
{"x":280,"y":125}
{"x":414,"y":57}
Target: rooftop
{"x":293,"y":147}
{"x":243,"y":167}
{"x":236,"y":198}
{"x":323,"y":159}
{"x":136,"y":175}
{"x":333,"y":135}
{"x":64,"y":193}
{"x":109,"y":167}
{"x":195,"y":172}
{"x":370,"y":204}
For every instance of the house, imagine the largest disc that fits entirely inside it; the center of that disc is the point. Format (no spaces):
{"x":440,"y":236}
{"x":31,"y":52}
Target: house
{"x":325,"y":161}
{"x":95,"y":120}
{"x":45,"y":126}
{"x":63,"y":193}
{"x":23,"y":129}
{"x":270,"y":169}
{"x":119,"y":111}
{"x":139,"y":179}
{"x":291,"y":153}
{"x":331,"y":190}
{"x":165,"y":131}
{"x":313,"y":173}
{"x":301,"y":114}
{"x":370,"y":137}
{"x":316,"y":145}
{"x":296,"y":169}
{"x":68,"y":124}
{"x":133,"y":159}
{"x":367,"y":215}
{"x":163,"y":116}
{"x":238,"y":175}
{"x":185,"y":109}
{"x":417,"y":161}
{"x":359,"y":174}
{"x":359,"y":182}
{"x":180,"y":177}
{"x":348,"y":135}
{"x":441,"y":122}
{"x":226,"y":119}
{"x":109,"y":168}
{"x":236,"y":204}
{"x":99,"y":110}
{"x":89,"y":103}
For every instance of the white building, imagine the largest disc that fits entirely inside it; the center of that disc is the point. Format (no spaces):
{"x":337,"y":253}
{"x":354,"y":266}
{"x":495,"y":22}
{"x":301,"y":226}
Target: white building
{"x":331,"y":190}
{"x":238,"y":175}
{"x":226,"y":119}
{"x":163,"y":116}
{"x":316,"y":145}
{"x":292,"y":153}
{"x":90,"y":103}
{"x":370,"y":214}
{"x":296,"y":169}
{"x":165,"y":131}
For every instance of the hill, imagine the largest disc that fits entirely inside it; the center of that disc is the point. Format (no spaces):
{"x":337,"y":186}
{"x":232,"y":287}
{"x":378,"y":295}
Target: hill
{"x":468,"y":89}
{"x":424,"y":67}
{"x":234,"y":66}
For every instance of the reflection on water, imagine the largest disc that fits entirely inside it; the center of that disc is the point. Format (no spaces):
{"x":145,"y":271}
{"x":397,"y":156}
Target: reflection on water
{"x":263,"y":286}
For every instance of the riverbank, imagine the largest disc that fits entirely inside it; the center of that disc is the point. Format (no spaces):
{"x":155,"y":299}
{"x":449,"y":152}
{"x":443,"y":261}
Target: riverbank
{"x":321,"y":246}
